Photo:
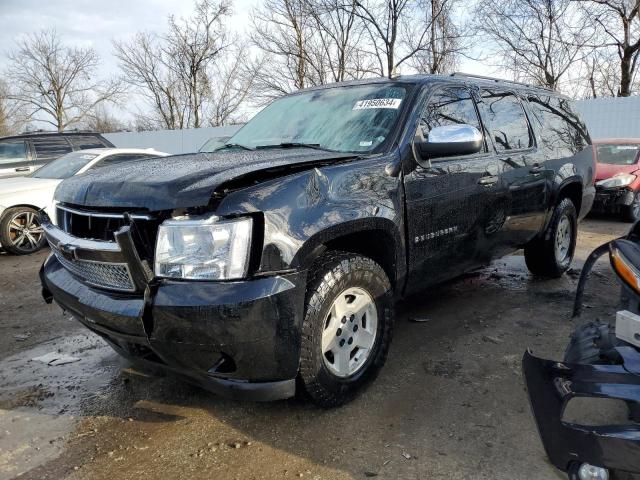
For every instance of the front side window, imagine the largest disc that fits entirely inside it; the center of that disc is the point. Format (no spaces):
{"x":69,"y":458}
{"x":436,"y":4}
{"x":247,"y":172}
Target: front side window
{"x":65,"y":166}
{"x":451,"y":106}
{"x":344,"y":119}
{"x":506,"y":121}
{"x":13,"y":152}
{"x":618,"y":154}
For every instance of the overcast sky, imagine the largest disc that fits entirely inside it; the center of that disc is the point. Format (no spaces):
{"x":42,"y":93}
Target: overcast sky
{"x":96,"y":23}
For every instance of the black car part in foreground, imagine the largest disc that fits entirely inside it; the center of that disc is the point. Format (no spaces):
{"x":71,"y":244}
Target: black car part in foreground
{"x":601,"y":362}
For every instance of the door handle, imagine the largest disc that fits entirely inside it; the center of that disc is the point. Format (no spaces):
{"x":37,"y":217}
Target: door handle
{"x":537,"y":169}
{"x":489,"y":180}
{"x":22,"y":169}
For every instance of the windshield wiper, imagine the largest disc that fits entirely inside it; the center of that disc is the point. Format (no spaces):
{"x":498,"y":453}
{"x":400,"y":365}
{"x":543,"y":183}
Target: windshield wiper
{"x":315,"y":146}
{"x":232,"y":145}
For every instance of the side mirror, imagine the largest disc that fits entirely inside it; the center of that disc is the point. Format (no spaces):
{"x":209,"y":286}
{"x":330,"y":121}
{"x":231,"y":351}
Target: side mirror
{"x":449,"y":141}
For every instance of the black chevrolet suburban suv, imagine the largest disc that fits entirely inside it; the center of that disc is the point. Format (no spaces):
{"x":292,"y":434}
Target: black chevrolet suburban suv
{"x":275,"y":260}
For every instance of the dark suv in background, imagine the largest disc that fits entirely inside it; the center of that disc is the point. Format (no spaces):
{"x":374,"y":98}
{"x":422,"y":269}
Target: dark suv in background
{"x":23,"y":154}
{"x":275,"y":260}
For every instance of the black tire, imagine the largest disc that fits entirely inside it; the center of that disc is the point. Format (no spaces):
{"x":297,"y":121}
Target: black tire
{"x":8,"y":237}
{"x":540,"y":255}
{"x":595,"y":343}
{"x":333,"y":274}
{"x":631,"y":213}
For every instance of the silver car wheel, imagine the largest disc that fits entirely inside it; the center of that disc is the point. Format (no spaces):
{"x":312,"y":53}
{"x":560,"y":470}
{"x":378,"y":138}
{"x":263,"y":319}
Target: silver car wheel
{"x":349,"y":332}
{"x":25,"y":231}
{"x":564,"y":234}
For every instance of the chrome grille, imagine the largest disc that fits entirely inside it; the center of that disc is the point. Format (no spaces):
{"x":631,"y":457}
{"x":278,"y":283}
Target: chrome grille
{"x":112,"y":276}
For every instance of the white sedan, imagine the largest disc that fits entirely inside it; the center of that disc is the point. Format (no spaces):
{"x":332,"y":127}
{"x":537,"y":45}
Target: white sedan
{"x":22,"y":197}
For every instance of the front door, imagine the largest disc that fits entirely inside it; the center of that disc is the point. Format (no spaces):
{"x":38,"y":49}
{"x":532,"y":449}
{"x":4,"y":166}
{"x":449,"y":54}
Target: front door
{"x":447,"y":198}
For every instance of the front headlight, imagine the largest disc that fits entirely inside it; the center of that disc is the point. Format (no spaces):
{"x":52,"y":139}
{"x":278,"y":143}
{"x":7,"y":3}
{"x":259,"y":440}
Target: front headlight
{"x":619,"y":180}
{"x":203,"y":248}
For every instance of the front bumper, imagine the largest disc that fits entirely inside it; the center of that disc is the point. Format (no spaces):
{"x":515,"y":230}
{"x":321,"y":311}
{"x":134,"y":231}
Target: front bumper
{"x":552,"y":384}
{"x":238,"y":339}
{"x":607,"y":198}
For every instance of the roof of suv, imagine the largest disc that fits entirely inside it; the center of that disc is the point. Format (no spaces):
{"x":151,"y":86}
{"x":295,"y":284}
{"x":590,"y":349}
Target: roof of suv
{"x":427,"y":78}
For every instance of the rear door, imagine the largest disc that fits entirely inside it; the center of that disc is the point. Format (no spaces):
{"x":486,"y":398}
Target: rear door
{"x":521,"y":167}
{"x":448,"y":198}
{"x":14,"y":158}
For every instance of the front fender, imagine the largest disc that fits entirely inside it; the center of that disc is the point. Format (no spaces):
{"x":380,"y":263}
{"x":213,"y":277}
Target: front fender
{"x":304,"y":210}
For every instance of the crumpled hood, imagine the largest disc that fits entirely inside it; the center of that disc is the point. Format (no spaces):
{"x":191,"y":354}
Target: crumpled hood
{"x":179,"y":181}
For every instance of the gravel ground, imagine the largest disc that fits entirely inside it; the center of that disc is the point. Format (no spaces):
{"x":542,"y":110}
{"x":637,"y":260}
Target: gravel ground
{"x":448,"y":404}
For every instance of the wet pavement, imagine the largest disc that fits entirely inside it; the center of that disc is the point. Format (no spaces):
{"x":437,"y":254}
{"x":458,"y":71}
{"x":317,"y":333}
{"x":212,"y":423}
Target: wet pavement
{"x":448,"y":404}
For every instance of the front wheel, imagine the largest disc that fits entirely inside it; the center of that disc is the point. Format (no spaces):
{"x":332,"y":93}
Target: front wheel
{"x":347,"y":327}
{"x":20,"y":231}
{"x":551,"y":255}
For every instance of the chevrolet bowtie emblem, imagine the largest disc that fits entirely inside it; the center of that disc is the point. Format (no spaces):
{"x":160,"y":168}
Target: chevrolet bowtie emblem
{"x":67,"y":251}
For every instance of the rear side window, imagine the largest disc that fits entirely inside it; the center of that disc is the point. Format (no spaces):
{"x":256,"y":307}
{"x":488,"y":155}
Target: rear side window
{"x":13,"y":152}
{"x":451,"y":106}
{"x":82,"y":142}
{"x":506,"y":121}
{"x":49,"y":148}
{"x":561,"y":131}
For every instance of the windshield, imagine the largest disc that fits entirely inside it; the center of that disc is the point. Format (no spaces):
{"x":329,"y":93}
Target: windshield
{"x":65,"y":166}
{"x":618,"y":154}
{"x":344,"y":119}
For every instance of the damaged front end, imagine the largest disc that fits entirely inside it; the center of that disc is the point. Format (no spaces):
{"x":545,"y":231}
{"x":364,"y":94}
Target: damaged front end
{"x":601,"y":363}
{"x":218,"y":334}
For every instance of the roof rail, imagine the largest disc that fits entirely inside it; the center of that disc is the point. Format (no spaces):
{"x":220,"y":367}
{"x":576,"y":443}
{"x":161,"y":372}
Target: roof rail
{"x":498,"y":80}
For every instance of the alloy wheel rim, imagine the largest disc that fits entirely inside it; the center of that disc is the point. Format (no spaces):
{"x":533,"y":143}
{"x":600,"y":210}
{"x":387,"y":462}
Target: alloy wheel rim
{"x":563,"y":239}
{"x":349,"y":332}
{"x":25,"y":231}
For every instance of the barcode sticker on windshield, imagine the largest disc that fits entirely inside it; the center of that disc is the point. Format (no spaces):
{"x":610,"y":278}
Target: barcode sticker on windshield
{"x":393,"y":103}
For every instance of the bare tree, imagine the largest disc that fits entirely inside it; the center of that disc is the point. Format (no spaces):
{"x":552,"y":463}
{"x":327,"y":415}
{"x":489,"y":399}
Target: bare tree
{"x":102,"y":121}
{"x":230,"y":88}
{"x":403,"y":30}
{"x":194,"y":44}
{"x":338,"y":54}
{"x":56,"y":83}
{"x":619,"y":24}
{"x":13,"y":117}
{"x":179,"y":72}
{"x":283,"y":31}
{"x":144,"y":64}
{"x":537,"y":40}
{"x":446,"y":41}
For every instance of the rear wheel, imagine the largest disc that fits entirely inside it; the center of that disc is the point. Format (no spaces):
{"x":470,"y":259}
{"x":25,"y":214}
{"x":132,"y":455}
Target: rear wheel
{"x":551,"y":255}
{"x":20,"y":231}
{"x":631,"y":213}
{"x":347,"y":327}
